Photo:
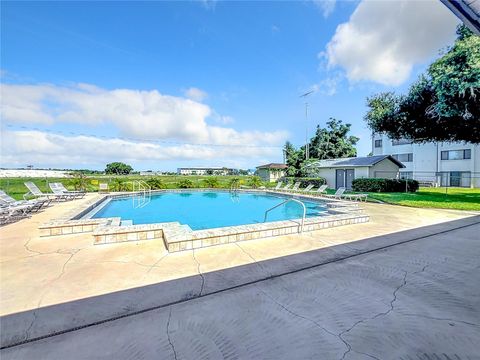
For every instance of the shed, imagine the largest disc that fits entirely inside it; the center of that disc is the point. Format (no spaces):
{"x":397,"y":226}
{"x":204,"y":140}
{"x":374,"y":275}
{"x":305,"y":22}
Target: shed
{"x":271,"y":172}
{"x":341,"y":172}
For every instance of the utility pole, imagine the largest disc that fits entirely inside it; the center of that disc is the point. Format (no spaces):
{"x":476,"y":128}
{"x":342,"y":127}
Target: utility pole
{"x":307,"y":147}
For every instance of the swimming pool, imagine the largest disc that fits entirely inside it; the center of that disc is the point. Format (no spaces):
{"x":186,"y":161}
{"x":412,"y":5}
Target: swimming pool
{"x":207,"y":209}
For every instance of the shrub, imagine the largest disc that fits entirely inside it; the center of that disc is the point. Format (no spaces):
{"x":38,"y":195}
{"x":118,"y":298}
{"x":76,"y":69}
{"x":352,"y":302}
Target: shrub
{"x":255,"y":182}
{"x":120,"y":185}
{"x":304,"y":182}
{"x":234,"y":183}
{"x":185,"y":184}
{"x":211,"y":182}
{"x":384,"y":185}
{"x":155,"y":183}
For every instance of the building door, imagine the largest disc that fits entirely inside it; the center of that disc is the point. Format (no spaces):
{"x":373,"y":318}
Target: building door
{"x":340,"y":178}
{"x":349,"y":176}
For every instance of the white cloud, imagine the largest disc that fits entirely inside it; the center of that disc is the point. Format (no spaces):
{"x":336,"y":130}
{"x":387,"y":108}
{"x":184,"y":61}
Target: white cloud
{"x":135,"y":113}
{"x":196,"y":94}
{"x":325,"y":6}
{"x":53,"y":150}
{"x":328,"y":86}
{"x":383,"y":40}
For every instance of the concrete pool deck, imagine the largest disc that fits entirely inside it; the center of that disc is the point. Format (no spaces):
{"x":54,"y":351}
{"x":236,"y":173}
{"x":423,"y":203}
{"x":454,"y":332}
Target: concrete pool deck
{"x":50,"y":285}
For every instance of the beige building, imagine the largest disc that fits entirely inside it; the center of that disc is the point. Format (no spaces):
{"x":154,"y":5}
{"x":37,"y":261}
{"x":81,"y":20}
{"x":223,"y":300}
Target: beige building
{"x":341,"y":172}
{"x":271,"y":172}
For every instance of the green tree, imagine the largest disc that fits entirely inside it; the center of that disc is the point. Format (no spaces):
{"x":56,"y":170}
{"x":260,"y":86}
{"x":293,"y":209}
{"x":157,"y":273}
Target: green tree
{"x":118,"y":168}
{"x":333,"y":141}
{"x":294,"y":158}
{"x":442,"y":105}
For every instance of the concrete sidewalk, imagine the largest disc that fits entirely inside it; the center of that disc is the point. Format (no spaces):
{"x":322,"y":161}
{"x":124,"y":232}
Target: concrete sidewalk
{"x":417,"y":299}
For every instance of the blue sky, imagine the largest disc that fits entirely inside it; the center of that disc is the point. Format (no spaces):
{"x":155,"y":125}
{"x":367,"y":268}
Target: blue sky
{"x":168,"y":84}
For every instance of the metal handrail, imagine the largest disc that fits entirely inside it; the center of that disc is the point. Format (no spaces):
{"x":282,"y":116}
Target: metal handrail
{"x":284,"y":202}
{"x":145,"y":189}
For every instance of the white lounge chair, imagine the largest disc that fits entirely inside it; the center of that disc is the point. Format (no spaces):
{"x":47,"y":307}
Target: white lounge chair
{"x":356,"y":197}
{"x":338,"y":194}
{"x":321,"y":189}
{"x":57,"y":191}
{"x":286,"y":187}
{"x":307,"y":189}
{"x":36,"y":192}
{"x":279,"y":186}
{"x":294,"y":188}
{"x":62,"y":188}
{"x":34,"y":205}
{"x":9,"y":213}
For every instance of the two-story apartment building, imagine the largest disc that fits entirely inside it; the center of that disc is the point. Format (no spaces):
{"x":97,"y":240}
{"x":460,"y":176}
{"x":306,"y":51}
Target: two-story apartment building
{"x":441,"y":164}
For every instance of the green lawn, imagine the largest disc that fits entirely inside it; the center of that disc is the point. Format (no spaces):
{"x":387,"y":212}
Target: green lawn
{"x":15,"y":186}
{"x":442,"y":198}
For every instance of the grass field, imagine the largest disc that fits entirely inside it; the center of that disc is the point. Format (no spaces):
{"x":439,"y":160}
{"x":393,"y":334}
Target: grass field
{"x":15,"y":186}
{"x":441,"y":198}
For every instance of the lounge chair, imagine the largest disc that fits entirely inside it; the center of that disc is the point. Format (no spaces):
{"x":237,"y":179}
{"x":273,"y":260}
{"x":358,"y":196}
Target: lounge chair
{"x":286,"y":187}
{"x":34,"y":205}
{"x":338,"y":194}
{"x":279,"y":186}
{"x":307,"y":189}
{"x":9,"y":213}
{"x":294,"y":188}
{"x":61,"y":187}
{"x":35,"y":191}
{"x":320,"y":190}
{"x":57,"y":191}
{"x":356,"y":197}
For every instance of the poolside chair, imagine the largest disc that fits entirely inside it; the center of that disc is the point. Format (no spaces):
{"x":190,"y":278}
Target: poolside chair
{"x":279,"y":186}
{"x":338,"y":194}
{"x":14,"y":212}
{"x":35,"y":205}
{"x":307,"y":189}
{"x":321,"y":190}
{"x":57,"y":191}
{"x":36,"y":192}
{"x":60,"y":186}
{"x":356,"y":197}
{"x":294,"y":188}
{"x":286,"y":187}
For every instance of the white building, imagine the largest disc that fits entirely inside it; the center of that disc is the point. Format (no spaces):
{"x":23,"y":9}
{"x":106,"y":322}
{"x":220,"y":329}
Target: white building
{"x":441,"y":164}
{"x":204,"y":171}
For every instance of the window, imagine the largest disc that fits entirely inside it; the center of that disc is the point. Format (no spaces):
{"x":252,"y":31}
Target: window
{"x":378,"y":143}
{"x":455,"y":178}
{"x":456,"y":154}
{"x":401,"y":142}
{"x":403,"y":157}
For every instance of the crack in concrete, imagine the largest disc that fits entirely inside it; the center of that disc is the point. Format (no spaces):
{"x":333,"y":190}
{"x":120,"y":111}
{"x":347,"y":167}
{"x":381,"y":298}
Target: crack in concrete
{"x":62,"y":272}
{"x":301,"y":316}
{"x":32,"y":251}
{"x":27,"y":331}
{"x":404,"y":282}
{"x":157,"y":262}
{"x":199,"y":273}
{"x":255,"y":261}
{"x":168,"y":335}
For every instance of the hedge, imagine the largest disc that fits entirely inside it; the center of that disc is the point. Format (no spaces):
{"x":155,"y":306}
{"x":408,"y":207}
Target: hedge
{"x":384,"y":185}
{"x":304,"y":182}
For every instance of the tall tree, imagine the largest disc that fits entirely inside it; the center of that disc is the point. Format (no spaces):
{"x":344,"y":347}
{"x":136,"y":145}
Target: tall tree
{"x":118,"y":168}
{"x":293,"y":157}
{"x":333,"y":141}
{"x":442,"y":105}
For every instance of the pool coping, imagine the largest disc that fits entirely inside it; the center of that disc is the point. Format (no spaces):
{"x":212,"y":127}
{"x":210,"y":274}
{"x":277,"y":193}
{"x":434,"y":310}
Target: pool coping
{"x":179,"y":237}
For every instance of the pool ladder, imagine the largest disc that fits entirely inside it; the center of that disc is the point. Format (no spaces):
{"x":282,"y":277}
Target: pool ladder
{"x":284,"y":202}
{"x":142,"y":193}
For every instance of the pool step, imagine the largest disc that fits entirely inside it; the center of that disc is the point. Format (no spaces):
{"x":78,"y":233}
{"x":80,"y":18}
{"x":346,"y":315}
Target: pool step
{"x":126,"y":223}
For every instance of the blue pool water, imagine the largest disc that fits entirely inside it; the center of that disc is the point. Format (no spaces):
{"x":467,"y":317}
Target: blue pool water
{"x":204,"y":210}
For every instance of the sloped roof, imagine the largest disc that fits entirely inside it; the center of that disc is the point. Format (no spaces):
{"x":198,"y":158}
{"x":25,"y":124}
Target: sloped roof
{"x":466,"y":10}
{"x":356,"y":161}
{"x":272,"y":166}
